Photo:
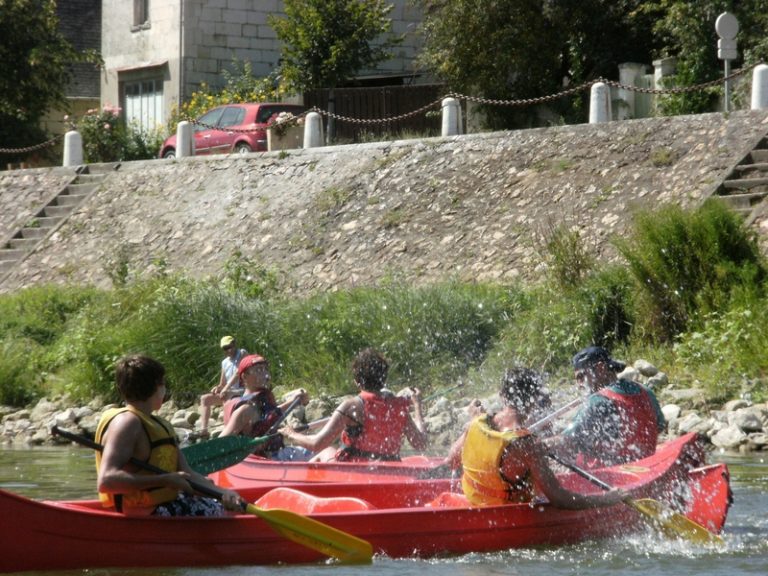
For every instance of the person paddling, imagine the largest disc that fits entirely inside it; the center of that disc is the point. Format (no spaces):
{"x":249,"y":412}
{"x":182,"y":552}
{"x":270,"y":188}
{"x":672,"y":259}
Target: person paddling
{"x":372,"y":424}
{"x":503,"y":462}
{"x":257,"y":411}
{"x":134,"y":432}
{"x":620,"y":420}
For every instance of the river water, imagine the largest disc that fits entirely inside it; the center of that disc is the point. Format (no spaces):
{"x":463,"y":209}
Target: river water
{"x":59,"y":473}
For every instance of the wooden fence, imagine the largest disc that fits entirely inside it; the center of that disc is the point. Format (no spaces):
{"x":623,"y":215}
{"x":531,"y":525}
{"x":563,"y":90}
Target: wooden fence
{"x":379,"y":103}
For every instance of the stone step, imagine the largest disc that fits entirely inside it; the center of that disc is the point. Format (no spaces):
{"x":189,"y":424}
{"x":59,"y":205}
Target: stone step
{"x":90,"y":178}
{"x":744,"y":183}
{"x":69,"y":199}
{"x":83,"y":189}
{"x":57,"y":211}
{"x":34,"y":233}
{"x":759,"y":156}
{"x":25,"y":244}
{"x":11,"y":254}
{"x":6,"y":265}
{"x":751,"y":169}
{"x":44,"y":222}
{"x":744,"y":201}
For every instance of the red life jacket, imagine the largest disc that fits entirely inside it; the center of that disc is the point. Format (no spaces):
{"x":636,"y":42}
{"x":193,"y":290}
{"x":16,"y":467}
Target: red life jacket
{"x":380,"y":434}
{"x":270,"y":412}
{"x":639,"y":424}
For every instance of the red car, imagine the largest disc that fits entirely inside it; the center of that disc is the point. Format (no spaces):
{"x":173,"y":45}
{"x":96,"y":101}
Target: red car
{"x":240,"y":128}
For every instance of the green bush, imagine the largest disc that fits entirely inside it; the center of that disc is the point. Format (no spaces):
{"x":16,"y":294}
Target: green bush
{"x":20,"y":376}
{"x":688,"y":264}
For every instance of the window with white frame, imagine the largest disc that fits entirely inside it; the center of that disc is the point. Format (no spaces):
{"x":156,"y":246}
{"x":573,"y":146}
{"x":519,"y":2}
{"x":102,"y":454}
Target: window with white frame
{"x":144,"y":104}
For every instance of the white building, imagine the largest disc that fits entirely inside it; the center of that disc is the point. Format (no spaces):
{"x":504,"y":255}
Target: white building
{"x":157,"y":52}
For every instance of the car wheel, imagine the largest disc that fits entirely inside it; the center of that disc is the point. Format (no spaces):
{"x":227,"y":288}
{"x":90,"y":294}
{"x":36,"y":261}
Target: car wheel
{"x":242,"y":148}
{"x":170,"y":153}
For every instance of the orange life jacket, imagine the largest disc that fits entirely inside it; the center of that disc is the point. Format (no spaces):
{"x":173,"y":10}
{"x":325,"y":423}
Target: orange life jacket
{"x":380,"y":434}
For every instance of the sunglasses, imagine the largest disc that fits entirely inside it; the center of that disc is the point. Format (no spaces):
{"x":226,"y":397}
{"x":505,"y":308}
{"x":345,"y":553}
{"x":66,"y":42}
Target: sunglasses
{"x":226,"y":348}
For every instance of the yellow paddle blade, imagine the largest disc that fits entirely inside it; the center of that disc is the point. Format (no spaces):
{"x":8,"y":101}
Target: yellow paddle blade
{"x":345,"y":547}
{"x":672,"y":523}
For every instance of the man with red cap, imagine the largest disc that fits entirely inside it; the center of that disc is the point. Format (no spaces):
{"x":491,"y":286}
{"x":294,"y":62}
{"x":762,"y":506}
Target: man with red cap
{"x":257,"y":412}
{"x":620,"y":420}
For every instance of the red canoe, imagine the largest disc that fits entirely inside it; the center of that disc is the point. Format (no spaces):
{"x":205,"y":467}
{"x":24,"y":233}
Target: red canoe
{"x":255,"y":471}
{"x":401,"y":519}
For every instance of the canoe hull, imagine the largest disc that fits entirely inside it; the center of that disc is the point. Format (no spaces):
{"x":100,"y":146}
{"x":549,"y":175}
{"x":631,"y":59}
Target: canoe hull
{"x":420,"y":518}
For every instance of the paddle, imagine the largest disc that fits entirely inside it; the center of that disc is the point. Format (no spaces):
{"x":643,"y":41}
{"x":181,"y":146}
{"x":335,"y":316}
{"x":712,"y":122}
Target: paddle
{"x":330,"y":541}
{"x":225,"y":451}
{"x":671,"y":523}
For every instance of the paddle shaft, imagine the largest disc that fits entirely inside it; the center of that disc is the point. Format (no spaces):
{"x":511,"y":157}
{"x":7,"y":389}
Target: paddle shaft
{"x":559,"y":412}
{"x":203,"y":489}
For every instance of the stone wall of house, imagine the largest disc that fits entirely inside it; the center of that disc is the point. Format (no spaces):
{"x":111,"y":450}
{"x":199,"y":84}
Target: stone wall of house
{"x":476,"y":207}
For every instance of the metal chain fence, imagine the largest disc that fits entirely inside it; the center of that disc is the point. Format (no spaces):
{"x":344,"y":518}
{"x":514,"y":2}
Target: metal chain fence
{"x":437,"y":103}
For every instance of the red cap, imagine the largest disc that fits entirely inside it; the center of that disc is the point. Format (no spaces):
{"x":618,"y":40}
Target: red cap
{"x":247,"y":362}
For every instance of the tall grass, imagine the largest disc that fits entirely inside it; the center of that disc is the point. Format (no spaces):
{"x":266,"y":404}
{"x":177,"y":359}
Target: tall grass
{"x":692,"y":296}
{"x":689,"y":264}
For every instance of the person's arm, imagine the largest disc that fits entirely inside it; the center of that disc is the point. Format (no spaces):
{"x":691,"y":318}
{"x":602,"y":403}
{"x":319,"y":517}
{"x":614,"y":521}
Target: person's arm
{"x":327,"y":434}
{"x":115,"y":475}
{"x":415,"y":429}
{"x":545,"y":479}
{"x":229,"y":498}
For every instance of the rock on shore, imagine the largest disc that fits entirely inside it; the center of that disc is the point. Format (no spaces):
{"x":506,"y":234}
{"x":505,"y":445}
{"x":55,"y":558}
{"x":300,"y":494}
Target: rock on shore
{"x":738,"y":426}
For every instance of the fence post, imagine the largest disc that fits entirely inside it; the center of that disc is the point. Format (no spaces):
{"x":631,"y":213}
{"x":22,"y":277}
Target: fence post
{"x":760,"y":87}
{"x":451,"y":117}
{"x":73,"y":148}
{"x":599,"y":103}
{"x":313,"y":130}
{"x":185,"y":141}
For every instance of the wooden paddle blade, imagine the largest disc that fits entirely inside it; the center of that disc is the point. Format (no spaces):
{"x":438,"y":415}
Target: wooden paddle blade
{"x":219,"y":453}
{"x":672,"y":523}
{"x":345,"y":547}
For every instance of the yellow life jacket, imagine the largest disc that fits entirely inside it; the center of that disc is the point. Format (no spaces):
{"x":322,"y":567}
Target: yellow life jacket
{"x":164,"y":453}
{"x":482,"y":480}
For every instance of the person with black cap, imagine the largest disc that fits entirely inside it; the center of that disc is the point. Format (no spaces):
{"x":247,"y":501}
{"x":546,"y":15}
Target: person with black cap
{"x":620,"y":420}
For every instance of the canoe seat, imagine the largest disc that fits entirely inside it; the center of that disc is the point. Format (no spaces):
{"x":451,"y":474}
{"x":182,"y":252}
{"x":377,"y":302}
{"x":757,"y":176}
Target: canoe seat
{"x":303,"y":503}
{"x":449,"y":500}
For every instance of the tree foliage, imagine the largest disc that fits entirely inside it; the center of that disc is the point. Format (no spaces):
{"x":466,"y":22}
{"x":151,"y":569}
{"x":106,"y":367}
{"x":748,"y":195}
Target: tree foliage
{"x":685,"y":29}
{"x":516,"y":49}
{"x":35,"y":63}
{"x":327,"y":42}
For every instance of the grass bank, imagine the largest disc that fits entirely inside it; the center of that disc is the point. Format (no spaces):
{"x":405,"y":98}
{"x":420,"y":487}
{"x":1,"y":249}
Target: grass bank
{"x":690,"y":297}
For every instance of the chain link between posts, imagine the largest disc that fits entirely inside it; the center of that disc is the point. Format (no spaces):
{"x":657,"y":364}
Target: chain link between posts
{"x":438,"y":103}
{"x":33,"y":148}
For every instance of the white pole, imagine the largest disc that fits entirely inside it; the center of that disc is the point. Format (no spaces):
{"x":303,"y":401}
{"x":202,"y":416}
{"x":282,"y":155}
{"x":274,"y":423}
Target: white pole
{"x":599,"y":103}
{"x":451,"y":118}
{"x":760,"y":87}
{"x":313,"y":130}
{"x":73,"y":148}
{"x":185,"y":141}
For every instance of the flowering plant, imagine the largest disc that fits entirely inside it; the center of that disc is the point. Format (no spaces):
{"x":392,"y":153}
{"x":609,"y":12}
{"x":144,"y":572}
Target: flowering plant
{"x":280,"y":123}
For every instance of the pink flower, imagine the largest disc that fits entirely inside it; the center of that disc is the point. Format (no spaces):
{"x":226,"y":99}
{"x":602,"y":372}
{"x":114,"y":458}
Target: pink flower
{"x":107,"y":126}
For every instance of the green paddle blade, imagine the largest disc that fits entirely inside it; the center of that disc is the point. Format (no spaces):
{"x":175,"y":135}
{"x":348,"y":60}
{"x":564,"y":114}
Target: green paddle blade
{"x":345,"y":547}
{"x":673,"y":524}
{"x":219,"y":453}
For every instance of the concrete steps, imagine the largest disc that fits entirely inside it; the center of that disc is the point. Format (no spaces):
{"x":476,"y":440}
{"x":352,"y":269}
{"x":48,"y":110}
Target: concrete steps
{"x":746,"y":187}
{"x":14,"y":249}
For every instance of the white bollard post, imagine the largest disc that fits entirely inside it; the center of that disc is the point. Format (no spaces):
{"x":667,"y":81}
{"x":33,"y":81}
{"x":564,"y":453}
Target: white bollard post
{"x":185,"y":140}
{"x":313,"y":130}
{"x":599,"y":103}
{"x":760,"y":87}
{"x":73,"y":148}
{"x":451,"y":117}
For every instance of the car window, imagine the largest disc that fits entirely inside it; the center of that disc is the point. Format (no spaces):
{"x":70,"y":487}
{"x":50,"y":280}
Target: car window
{"x":210,"y":118}
{"x":233,"y":115}
{"x":266,"y":112}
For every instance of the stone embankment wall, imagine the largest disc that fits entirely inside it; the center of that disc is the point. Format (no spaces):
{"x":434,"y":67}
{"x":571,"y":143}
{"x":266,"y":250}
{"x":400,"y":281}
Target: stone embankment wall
{"x":476,"y":207}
